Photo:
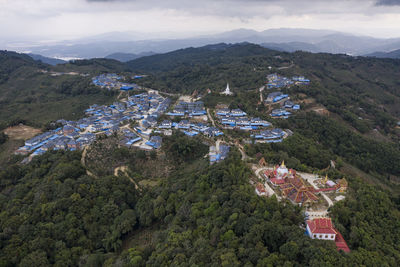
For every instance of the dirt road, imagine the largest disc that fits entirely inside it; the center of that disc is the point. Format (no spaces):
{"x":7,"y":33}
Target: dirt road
{"x":210,"y":117}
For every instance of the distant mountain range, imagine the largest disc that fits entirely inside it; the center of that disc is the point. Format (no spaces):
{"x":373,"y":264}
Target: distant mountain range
{"x":288,"y":40}
{"x":125,"y":57}
{"x":392,"y":54}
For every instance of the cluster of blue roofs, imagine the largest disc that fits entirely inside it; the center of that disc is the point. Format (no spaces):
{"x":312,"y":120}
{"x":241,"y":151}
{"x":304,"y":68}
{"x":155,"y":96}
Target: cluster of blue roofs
{"x":275,"y":97}
{"x":188,"y":108}
{"x":269,"y":136}
{"x":66,"y":137}
{"x":129,"y":138}
{"x":218,"y":154}
{"x":237,"y":118}
{"x":155,"y":142}
{"x":286,"y":105}
{"x":99,"y":119}
{"x":191,"y":129}
{"x":276,"y":81}
{"x":112,"y":81}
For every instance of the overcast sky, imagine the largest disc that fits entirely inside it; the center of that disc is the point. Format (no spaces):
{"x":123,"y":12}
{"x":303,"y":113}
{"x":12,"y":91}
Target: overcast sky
{"x":68,"y":19}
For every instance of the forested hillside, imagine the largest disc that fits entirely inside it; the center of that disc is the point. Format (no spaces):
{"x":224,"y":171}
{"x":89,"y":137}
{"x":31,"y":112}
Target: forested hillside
{"x":53,"y":213}
{"x":36,"y":93}
{"x":114,"y":206}
{"x":363,"y":91}
{"x":359,"y":93}
{"x":186,"y":70}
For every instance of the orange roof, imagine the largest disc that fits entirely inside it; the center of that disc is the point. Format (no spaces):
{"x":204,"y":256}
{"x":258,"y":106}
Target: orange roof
{"x":321,"y":226}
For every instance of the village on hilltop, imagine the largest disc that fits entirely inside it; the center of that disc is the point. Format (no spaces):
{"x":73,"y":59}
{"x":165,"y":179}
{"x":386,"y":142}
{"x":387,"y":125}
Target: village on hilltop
{"x":140,"y":121}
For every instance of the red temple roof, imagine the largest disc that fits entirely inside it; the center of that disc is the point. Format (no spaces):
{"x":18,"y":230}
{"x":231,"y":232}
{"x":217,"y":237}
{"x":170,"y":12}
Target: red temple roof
{"x":321,"y":226}
{"x":277,"y":181}
{"x":341,"y":243}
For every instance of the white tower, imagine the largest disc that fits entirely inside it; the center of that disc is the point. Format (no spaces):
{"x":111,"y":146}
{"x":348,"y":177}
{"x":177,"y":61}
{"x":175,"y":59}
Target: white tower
{"x":227,"y":90}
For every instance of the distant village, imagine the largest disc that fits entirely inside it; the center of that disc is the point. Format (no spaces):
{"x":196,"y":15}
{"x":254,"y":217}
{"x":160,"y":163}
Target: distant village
{"x":287,"y":107}
{"x":276,"y":82}
{"x":146,"y":109}
{"x":113,"y":81}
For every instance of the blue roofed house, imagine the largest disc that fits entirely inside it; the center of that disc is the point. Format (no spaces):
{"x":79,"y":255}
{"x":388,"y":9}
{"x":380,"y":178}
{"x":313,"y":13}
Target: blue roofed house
{"x":38,"y":139}
{"x":145,"y":124}
{"x":152,"y":121}
{"x":213,"y":131}
{"x":276,"y":97}
{"x":280,"y":113}
{"x":223,"y":112}
{"x":229,"y":121}
{"x":166,"y":124}
{"x":278,"y":132}
{"x":200,"y":127}
{"x":270,"y":136}
{"x":61,"y":143}
{"x":296,"y":107}
{"x":288,"y":104}
{"x":184,"y":124}
{"x":243,"y":121}
{"x":301,"y":80}
{"x":237,"y":113}
{"x":155,"y":142}
{"x":191,"y":133}
{"x":126,"y":88}
{"x":259,"y":122}
{"x":72,"y":145}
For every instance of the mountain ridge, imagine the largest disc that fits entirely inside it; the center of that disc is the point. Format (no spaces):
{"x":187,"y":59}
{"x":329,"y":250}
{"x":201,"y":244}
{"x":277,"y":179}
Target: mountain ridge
{"x":316,"y":40}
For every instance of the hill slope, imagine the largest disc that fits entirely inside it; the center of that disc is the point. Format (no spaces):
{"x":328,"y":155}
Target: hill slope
{"x":47,"y":60}
{"x":125,"y":57}
{"x":30,"y":94}
{"x":363,"y":87}
{"x":361,"y":94}
{"x":392,"y":54}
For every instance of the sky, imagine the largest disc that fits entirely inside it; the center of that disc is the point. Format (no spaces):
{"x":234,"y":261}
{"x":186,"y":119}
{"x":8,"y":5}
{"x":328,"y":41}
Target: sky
{"x":55,"y":20}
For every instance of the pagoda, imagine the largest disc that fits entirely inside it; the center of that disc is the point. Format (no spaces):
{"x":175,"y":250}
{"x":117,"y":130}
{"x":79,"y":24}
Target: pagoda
{"x":227,"y":90}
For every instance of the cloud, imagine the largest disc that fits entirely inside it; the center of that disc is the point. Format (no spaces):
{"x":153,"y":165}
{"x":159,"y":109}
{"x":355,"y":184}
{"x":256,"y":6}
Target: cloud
{"x":65,"y":19}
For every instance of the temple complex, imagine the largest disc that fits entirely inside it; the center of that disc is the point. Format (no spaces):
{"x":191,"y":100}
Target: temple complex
{"x":291,"y":185}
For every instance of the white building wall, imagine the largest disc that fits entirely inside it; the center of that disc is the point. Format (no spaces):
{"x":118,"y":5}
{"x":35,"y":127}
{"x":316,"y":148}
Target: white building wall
{"x":320,"y":236}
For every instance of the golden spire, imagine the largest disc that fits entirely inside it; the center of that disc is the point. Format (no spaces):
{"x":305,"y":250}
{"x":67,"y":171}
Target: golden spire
{"x":326,"y":179}
{"x":283,"y":164}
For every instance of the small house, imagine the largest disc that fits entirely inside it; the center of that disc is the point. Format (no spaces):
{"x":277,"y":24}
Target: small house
{"x":155,"y":142}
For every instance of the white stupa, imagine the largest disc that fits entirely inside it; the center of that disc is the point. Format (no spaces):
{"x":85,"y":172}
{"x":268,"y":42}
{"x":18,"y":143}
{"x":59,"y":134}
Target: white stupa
{"x":227,"y":90}
{"x":282,"y":171}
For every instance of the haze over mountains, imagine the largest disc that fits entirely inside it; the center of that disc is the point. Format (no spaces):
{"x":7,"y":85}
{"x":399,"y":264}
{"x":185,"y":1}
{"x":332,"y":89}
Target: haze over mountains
{"x":279,"y":39}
